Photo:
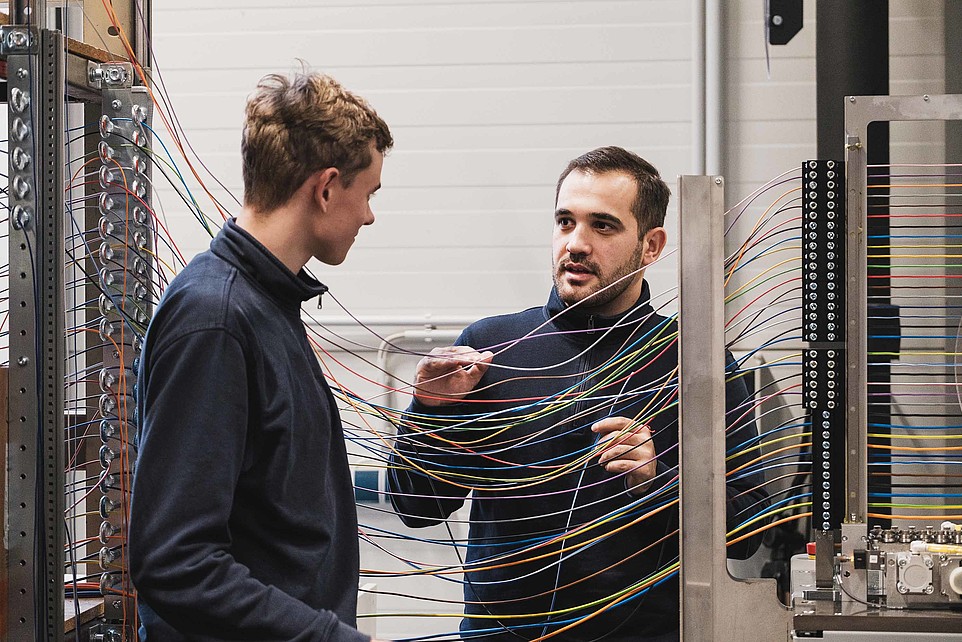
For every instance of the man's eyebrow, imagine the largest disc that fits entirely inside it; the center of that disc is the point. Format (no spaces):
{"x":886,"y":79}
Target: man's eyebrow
{"x":598,"y":216}
{"x":605,"y":216}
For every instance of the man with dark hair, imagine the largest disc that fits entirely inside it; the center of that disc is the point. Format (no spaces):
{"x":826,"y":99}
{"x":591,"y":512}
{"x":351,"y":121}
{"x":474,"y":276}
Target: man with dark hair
{"x":561,"y":422}
{"x":243,"y":523}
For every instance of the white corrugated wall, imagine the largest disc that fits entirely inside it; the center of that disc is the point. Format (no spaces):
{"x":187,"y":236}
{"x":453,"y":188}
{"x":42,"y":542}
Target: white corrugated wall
{"x":487,"y":101}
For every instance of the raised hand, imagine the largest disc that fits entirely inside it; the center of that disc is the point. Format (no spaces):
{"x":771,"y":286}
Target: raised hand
{"x":448,"y":374}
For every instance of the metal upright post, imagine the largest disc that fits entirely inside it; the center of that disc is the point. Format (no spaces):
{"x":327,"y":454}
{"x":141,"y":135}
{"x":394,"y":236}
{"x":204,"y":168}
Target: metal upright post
{"x":32,"y":13}
{"x":712,"y":602}
{"x":35,"y":526}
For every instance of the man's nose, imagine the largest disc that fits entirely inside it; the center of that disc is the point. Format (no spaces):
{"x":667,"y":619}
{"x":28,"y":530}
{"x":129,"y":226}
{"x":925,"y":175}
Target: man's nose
{"x":578,"y":242}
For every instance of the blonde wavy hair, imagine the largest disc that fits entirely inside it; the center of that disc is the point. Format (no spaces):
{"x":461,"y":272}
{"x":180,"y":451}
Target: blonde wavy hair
{"x":302,"y":124}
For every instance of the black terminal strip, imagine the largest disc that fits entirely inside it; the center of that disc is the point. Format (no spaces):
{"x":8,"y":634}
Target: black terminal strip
{"x":823,"y":327}
{"x":823,"y":252}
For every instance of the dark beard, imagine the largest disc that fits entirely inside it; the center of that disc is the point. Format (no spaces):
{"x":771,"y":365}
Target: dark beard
{"x":600,"y":296}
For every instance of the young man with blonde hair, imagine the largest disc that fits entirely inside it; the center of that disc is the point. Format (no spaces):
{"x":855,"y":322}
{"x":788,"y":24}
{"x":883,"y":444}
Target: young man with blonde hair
{"x":243,"y":523}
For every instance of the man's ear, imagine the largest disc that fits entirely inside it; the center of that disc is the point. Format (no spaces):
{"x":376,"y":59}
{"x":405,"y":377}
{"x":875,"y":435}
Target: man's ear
{"x":325,"y":183}
{"x":654,"y":242}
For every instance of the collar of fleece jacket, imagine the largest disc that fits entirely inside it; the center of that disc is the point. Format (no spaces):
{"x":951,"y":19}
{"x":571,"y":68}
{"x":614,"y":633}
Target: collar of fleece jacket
{"x":583,"y":325}
{"x":236,"y":246}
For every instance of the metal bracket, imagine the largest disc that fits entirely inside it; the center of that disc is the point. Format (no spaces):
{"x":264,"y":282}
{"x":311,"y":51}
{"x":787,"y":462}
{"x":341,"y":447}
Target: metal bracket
{"x":18,"y":39}
{"x":115,"y":75}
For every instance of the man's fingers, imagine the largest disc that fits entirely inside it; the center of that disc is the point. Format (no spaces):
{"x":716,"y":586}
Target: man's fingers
{"x":628,"y":452}
{"x":624,"y":466}
{"x":624,"y":425}
{"x":441,"y":361}
{"x":448,"y":374}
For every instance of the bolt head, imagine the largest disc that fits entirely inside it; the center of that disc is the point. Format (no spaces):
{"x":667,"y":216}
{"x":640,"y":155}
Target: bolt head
{"x":116,"y":104}
{"x":18,"y":39}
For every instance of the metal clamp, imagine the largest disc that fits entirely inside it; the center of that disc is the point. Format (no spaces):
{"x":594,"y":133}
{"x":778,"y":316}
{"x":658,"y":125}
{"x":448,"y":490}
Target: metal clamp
{"x":19,"y":39}
{"x":110,"y":74}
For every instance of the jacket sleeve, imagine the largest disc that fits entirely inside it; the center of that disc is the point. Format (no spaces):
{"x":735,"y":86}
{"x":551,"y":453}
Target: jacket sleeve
{"x":745,"y":489}
{"x":426,"y":479}
{"x":423,"y":478}
{"x":193,"y":398}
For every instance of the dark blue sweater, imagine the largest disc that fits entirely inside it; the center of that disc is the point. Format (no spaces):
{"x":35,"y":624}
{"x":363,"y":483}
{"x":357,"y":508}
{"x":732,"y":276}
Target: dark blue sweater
{"x":243,"y":523}
{"x":519,"y":433}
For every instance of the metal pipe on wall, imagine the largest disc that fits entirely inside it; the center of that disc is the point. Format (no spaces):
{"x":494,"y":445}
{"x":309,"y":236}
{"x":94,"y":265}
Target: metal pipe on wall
{"x":714,"y":87}
{"x":708,"y":67}
{"x":698,"y":11}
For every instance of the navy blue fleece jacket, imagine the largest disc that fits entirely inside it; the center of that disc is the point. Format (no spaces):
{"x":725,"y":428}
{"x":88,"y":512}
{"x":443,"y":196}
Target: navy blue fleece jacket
{"x":512,"y":431}
{"x":243,"y":523}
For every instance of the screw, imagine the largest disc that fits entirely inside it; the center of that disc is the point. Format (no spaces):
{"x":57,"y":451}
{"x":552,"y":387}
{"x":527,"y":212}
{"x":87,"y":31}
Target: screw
{"x":18,"y":39}
{"x":21,"y":187}
{"x":19,"y":129}
{"x":116,"y":104}
{"x":777,"y":20}
{"x":19,"y":99}
{"x":925,"y":98}
{"x":718,"y":181}
{"x":22,"y":361}
{"x":20,"y":158}
{"x":21,"y":73}
{"x":21,"y":217}
{"x":851,"y":99}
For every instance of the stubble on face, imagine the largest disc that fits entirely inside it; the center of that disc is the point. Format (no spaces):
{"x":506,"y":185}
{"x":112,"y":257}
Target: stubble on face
{"x":608,"y":286}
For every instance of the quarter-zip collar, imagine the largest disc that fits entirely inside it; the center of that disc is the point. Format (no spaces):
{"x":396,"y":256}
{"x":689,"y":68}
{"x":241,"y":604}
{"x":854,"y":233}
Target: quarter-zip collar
{"x":236,"y":246}
{"x":581,"y":322}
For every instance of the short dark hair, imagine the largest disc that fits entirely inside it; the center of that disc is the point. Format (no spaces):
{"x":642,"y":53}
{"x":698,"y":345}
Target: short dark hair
{"x":299,"y":125}
{"x":652,"y":193}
